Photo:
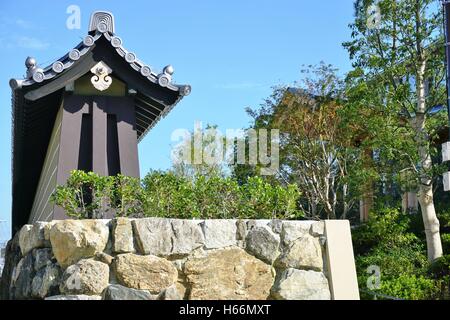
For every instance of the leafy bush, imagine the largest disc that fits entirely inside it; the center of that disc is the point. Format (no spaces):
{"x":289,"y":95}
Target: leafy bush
{"x":388,"y":228}
{"x":386,"y":241}
{"x":446,"y":243}
{"x":410,"y":287}
{"x":86,"y":195}
{"x":441,"y":267}
{"x":217,"y":197}
{"x":440,"y":270}
{"x":164,"y":194}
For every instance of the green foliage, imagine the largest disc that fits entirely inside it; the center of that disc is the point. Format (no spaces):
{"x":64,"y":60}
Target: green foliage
{"x":165,"y":194}
{"x":216,"y":197}
{"x":127,"y":197}
{"x":386,"y":241}
{"x":83,"y":195}
{"x":446,"y":243}
{"x":441,"y":267}
{"x":87,"y":195}
{"x":386,"y":228}
{"x":440,"y":270}
{"x":410,"y":287}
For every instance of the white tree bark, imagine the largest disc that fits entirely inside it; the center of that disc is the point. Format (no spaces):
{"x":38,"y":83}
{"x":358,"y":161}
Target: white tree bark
{"x":425,"y":194}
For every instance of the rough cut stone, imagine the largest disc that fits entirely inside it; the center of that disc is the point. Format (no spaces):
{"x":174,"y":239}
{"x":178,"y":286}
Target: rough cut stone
{"x":73,"y":240}
{"x":263,"y":244}
{"x":22,"y":278}
{"x":292,"y":230}
{"x":228,"y":274}
{"x":145,"y":272}
{"x":303,"y":253}
{"x":85,"y":277}
{"x":122,"y":236}
{"x":12,"y":258}
{"x":46,"y":282}
{"x":276,"y":225}
{"x":257,"y":223}
{"x":31,"y":237}
{"x":42,"y":257}
{"x":170,"y":293}
{"x":74,"y":297}
{"x":164,"y":237}
{"x":219,"y":233}
{"x":241,"y":229}
{"x":118,"y":292}
{"x":293,"y":284}
{"x":317,"y":229}
{"x":104,"y":257}
{"x":47,"y":227}
{"x":187,"y":236}
{"x":153,"y":236}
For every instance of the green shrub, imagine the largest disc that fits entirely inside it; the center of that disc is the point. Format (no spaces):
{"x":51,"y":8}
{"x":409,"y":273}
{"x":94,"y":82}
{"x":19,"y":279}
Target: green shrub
{"x":444,"y":218}
{"x":217,"y":197}
{"x":258,"y":196}
{"x":387,"y":242}
{"x":84,"y":196}
{"x":164,"y":194}
{"x":441,"y":267}
{"x":410,"y":287}
{"x":446,"y":242}
{"x":87,"y":195}
{"x":394,"y":261}
{"x":388,"y":228}
{"x":440,"y":270}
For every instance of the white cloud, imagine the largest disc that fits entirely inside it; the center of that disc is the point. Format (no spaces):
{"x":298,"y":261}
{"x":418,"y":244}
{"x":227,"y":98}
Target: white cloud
{"x":23,"y":24}
{"x":30,"y":43}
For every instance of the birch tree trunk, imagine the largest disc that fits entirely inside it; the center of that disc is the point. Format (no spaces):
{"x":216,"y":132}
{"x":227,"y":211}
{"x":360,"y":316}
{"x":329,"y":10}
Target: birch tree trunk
{"x":425,"y":193}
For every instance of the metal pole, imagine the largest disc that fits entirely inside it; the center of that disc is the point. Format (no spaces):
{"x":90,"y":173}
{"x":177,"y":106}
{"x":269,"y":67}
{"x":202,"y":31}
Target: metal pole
{"x":446,"y":146}
{"x":446,"y":5}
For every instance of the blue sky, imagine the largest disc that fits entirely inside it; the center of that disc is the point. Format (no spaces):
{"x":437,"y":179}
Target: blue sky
{"x":231,"y":53}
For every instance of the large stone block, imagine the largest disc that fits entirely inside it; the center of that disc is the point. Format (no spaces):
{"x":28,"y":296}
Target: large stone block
{"x":22,"y":277}
{"x":12,"y":258}
{"x":118,"y":292}
{"x":122,"y":236}
{"x":171,"y":293}
{"x":32,"y":236}
{"x":153,"y":236}
{"x":46,"y":282}
{"x":144,"y":272}
{"x":302,"y":253}
{"x":187,"y":236}
{"x":228,"y":274}
{"x":219,"y":233}
{"x":73,"y":240}
{"x":292,"y":230}
{"x":293,"y":284}
{"x":42,"y":257}
{"x":74,"y":297}
{"x":85,"y":277}
{"x":165,"y":237}
{"x":263,"y":244}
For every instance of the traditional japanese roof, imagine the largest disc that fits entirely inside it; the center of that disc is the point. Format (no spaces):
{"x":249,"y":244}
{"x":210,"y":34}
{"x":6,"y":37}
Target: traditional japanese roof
{"x":37,"y":98}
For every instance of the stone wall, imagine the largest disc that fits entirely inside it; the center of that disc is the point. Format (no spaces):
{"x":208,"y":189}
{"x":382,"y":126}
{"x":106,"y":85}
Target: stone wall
{"x":168,"y":259}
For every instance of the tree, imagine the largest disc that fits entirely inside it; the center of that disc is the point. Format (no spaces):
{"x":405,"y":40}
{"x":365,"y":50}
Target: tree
{"x":318,"y":149}
{"x":200,"y":154}
{"x":397,"y":51}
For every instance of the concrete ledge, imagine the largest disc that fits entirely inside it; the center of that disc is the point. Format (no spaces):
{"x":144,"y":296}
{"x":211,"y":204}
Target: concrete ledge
{"x":340,"y":260}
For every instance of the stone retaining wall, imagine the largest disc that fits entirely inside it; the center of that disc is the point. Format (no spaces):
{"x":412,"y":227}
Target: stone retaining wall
{"x":168,"y":259}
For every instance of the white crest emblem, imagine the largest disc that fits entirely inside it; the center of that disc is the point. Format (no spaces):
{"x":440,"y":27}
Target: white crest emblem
{"x":101,"y":79}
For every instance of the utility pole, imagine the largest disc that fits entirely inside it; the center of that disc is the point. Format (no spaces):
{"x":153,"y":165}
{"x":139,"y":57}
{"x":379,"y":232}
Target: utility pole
{"x":446,"y":146}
